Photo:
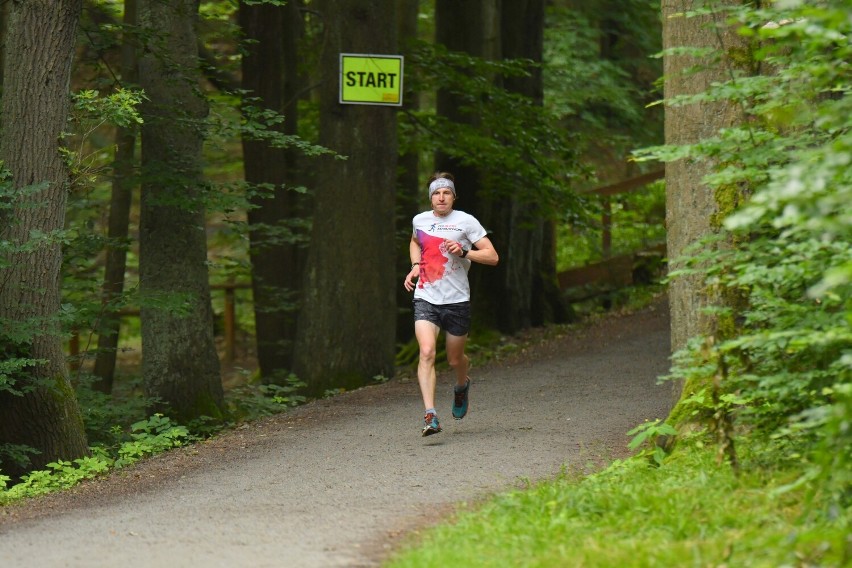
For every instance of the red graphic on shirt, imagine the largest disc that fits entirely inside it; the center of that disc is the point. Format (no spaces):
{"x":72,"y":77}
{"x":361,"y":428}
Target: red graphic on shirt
{"x":432,"y":259}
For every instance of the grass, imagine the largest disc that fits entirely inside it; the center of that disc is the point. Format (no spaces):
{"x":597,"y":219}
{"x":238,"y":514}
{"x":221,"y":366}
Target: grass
{"x":689,"y":512}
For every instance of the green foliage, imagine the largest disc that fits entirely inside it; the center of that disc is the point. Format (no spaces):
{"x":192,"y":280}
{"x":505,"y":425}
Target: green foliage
{"x":91,"y":112}
{"x":59,"y":475}
{"x":263,"y":124}
{"x":251,"y":401}
{"x":685,"y":512}
{"x":638,"y":223}
{"x":599,"y":81}
{"x":118,"y":108}
{"x":784,"y":282}
{"x":831,"y":469}
{"x":153,"y":435}
{"x":107,"y":417}
{"x":10,"y":368}
{"x":117,"y":445}
{"x":646,"y":434}
{"x":598,"y":76}
{"x":510,"y":139}
{"x":17,"y":454}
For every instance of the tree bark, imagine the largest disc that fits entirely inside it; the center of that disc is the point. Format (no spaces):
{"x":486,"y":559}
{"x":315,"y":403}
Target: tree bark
{"x":472,"y":27}
{"x":526,"y":291}
{"x":121,"y":199}
{"x":4,"y":33}
{"x":691,"y":205}
{"x":179,"y":360}
{"x":40,"y":40}
{"x":411,"y":192}
{"x":347,"y":323}
{"x":270,"y":73}
{"x":409,"y":178}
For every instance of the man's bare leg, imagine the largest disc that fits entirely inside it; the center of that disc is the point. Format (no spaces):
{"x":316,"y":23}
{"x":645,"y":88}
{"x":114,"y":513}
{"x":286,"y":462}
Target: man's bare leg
{"x":457,"y":358}
{"x":426,"y":333}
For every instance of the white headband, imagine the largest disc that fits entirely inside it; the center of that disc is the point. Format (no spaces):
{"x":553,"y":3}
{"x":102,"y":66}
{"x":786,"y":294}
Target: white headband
{"x":439,"y":183}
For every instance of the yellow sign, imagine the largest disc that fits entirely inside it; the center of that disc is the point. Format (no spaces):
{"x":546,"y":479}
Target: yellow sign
{"x":370,"y":79}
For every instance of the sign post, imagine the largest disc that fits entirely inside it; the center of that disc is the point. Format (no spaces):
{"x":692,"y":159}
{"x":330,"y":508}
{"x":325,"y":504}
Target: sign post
{"x":371,"y":79}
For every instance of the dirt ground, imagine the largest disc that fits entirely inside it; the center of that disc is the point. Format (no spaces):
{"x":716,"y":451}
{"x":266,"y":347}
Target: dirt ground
{"x":344,"y":481}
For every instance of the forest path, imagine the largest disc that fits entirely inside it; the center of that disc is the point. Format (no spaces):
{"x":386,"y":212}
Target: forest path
{"x":337,"y":481}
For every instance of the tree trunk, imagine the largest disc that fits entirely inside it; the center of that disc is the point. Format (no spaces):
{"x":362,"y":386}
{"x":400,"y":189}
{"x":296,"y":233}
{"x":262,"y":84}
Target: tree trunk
{"x":4,"y":33}
{"x":40,"y":40}
{"x":121,"y":199}
{"x":526,"y":289}
{"x":472,"y":27}
{"x":409,"y":177}
{"x":179,"y":360}
{"x":270,"y":74}
{"x":411,"y":192}
{"x":347,"y":323}
{"x":690,"y":205}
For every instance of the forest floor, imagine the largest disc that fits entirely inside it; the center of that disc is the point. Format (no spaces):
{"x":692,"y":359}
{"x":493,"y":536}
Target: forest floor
{"x":344,"y":481}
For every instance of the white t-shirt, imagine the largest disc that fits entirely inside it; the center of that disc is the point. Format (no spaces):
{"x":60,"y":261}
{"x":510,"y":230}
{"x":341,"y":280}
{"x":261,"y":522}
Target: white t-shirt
{"x":443,"y":276}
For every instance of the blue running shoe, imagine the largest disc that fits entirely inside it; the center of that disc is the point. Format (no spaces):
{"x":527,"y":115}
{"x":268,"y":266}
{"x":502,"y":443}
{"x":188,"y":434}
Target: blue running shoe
{"x":432,"y":426}
{"x":460,"y":401}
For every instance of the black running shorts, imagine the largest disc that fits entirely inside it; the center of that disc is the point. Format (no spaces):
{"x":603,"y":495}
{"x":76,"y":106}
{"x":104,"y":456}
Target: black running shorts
{"x":452,"y":318}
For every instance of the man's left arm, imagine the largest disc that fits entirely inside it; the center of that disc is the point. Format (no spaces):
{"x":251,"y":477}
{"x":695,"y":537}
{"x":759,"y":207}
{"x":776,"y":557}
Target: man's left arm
{"x":483,"y":252}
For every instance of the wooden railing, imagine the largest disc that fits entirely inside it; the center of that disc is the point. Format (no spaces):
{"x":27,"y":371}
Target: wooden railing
{"x":229,"y":317}
{"x":615,"y":272}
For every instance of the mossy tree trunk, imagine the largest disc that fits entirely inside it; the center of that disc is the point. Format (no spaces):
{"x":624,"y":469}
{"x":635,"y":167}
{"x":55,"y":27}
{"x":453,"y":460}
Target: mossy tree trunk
{"x":348,"y":319}
{"x":44,"y":413}
{"x":179,"y":360}
{"x":691,"y":206}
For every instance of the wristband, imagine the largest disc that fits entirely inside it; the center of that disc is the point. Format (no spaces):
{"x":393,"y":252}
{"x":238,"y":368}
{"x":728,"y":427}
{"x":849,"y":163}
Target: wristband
{"x":413,"y":264}
{"x":464,"y":252}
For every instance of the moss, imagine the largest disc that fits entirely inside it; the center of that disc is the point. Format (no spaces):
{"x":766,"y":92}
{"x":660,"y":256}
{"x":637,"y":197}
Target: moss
{"x":336,"y":382}
{"x":203,"y":405}
{"x":682,"y":415}
{"x":62,"y":389}
{"x":728,"y":199}
{"x":741,"y":57}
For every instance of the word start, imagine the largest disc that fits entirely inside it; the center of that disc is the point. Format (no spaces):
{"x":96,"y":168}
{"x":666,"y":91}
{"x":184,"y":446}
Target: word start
{"x":369,"y":79}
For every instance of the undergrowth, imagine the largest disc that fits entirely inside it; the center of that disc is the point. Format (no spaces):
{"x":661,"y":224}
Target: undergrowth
{"x":147,"y":437}
{"x":691,"y":511}
{"x":116,"y":444}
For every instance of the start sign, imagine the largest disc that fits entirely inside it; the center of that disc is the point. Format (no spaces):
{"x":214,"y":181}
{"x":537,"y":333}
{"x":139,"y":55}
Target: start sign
{"x":370,"y":79}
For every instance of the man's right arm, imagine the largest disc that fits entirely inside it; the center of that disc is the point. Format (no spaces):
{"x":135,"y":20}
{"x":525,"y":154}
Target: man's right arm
{"x":414,"y":256}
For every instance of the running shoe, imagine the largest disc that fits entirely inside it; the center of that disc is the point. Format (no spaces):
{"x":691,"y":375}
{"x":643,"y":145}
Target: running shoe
{"x":432,"y":426}
{"x":460,"y":401}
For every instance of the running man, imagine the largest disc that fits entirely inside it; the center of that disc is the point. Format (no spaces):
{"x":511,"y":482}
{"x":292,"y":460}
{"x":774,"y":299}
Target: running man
{"x":443,"y":245}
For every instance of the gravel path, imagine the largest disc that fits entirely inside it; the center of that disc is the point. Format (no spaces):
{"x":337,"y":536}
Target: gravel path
{"x":336,"y":482}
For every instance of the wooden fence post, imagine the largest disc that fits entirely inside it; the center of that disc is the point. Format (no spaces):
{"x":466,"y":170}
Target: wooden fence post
{"x":230,"y":323}
{"x":606,"y":222}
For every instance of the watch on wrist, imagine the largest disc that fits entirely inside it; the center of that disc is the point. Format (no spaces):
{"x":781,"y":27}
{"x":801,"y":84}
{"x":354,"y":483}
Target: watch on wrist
{"x":464,"y":252}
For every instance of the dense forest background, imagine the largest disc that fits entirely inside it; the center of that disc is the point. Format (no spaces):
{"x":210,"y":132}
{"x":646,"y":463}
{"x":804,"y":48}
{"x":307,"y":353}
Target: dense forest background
{"x":154,"y":153}
{"x":207,"y":149}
